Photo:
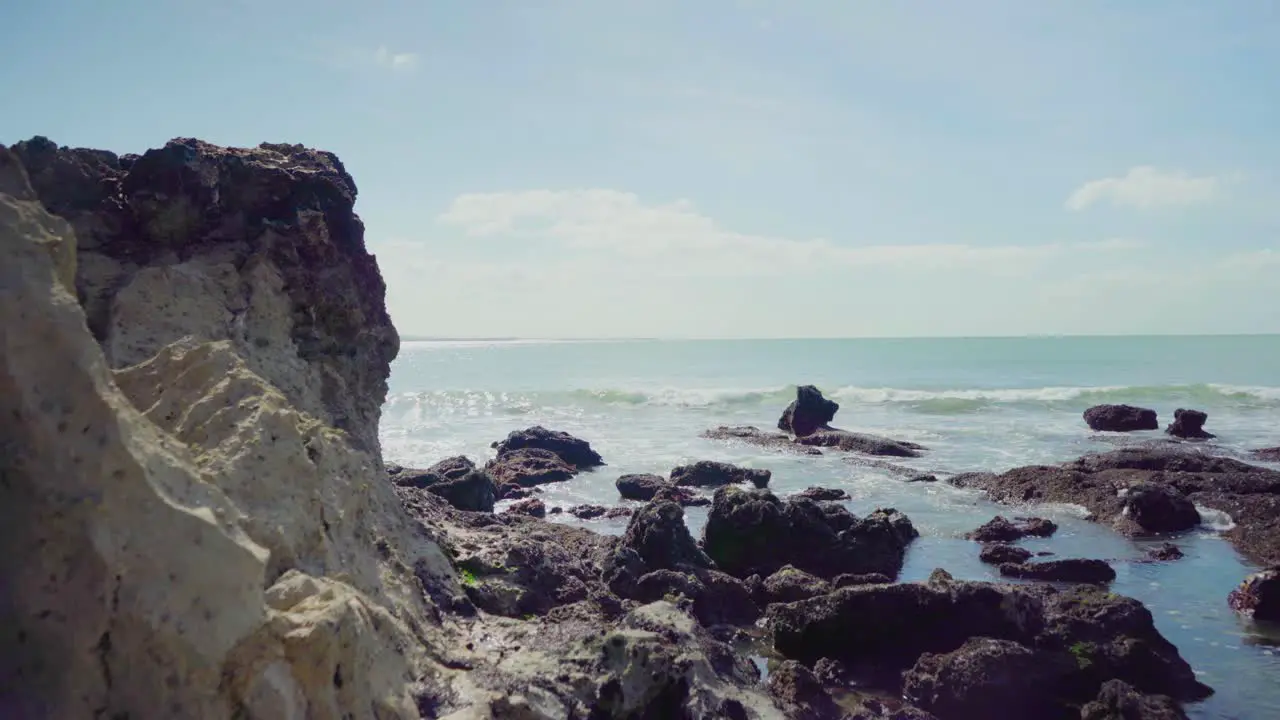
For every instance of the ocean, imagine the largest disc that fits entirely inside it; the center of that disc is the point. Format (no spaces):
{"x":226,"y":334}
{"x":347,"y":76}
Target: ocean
{"x":976,"y":403}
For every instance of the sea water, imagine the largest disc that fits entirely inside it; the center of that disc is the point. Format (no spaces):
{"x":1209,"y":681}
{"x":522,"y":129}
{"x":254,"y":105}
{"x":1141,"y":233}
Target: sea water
{"x":977,"y":404}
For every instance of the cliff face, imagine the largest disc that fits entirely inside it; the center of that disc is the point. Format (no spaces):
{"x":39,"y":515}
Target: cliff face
{"x":260,"y":247}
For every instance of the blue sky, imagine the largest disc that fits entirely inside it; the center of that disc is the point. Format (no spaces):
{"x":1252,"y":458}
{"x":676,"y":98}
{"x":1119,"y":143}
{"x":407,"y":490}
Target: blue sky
{"x":730,"y":167}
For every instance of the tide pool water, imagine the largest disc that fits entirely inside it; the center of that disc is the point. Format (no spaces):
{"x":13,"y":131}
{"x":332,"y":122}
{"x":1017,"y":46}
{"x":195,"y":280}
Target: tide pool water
{"x":977,"y":404}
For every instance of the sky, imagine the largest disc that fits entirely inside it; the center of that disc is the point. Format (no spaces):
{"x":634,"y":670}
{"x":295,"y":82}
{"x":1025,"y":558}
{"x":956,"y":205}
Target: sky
{"x":729,"y":168}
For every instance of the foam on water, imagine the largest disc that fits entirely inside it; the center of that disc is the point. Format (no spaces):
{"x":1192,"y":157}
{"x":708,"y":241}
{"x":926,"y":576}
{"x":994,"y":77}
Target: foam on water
{"x":975,"y":405}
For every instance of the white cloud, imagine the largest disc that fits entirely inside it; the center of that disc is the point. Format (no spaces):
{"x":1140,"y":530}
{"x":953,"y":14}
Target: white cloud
{"x":395,"y":61}
{"x":1146,"y":187}
{"x":675,"y":239}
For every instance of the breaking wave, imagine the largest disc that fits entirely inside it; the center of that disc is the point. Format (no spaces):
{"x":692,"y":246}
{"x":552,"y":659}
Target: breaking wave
{"x":933,"y":402}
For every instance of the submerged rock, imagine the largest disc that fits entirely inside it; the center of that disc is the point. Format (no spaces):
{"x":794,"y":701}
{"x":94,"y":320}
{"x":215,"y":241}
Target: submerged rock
{"x":821,"y":494}
{"x":455,"y":479}
{"x":575,"y":452}
{"x":533,"y":507}
{"x":751,"y":435}
{"x":1001,"y":529}
{"x":680,"y":496}
{"x":640,"y":487}
{"x":1000,"y":553}
{"x":861,"y":443}
{"x":808,"y":413}
{"x":1258,"y":596}
{"x":1076,"y":570}
{"x":756,"y":533}
{"x":1121,"y":418}
{"x":1267,"y":454}
{"x":1165,"y":552}
{"x":1189,"y":424}
{"x":709,"y":473}
{"x":1159,"y":509}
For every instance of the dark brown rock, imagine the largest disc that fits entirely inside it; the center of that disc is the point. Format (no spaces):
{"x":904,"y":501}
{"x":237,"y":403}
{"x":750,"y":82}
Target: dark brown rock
{"x":1165,"y":552}
{"x":680,"y":496}
{"x":800,"y":694}
{"x":1074,"y":570}
{"x":809,"y":412}
{"x":849,"y":579}
{"x":588,"y":512}
{"x":1267,"y":454}
{"x":1001,"y":529}
{"x":751,"y":435}
{"x":1159,"y":509}
{"x":861,"y":443}
{"x":1189,"y":424}
{"x":455,"y":479}
{"x":640,"y":487}
{"x":988,"y":678}
{"x":709,"y":473}
{"x":821,"y":494}
{"x":756,"y":533}
{"x":528,"y":467}
{"x":1121,"y":418}
{"x":1118,"y":700}
{"x":533,"y":507}
{"x":790,"y":584}
{"x":573,"y":451}
{"x":1000,"y":553}
{"x":1258,"y":596}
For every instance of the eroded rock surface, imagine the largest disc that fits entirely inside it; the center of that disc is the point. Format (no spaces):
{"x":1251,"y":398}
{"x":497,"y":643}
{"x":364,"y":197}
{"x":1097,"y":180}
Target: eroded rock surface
{"x":751,"y":435}
{"x":1121,"y":418}
{"x":1258,"y":596}
{"x":1189,"y":424}
{"x":710,"y":473}
{"x":574,"y":451}
{"x":808,"y":413}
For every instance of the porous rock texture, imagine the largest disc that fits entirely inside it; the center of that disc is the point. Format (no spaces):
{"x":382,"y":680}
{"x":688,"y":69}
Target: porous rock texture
{"x":195,"y":516}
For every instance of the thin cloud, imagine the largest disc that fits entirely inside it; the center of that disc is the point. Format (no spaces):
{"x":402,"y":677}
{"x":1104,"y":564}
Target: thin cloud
{"x":395,"y":61}
{"x":1146,"y":187}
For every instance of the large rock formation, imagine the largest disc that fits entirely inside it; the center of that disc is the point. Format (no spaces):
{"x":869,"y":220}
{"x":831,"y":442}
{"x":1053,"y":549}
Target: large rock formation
{"x":1121,"y":418}
{"x":1189,"y":424}
{"x":195,"y":516}
{"x":808,"y":413}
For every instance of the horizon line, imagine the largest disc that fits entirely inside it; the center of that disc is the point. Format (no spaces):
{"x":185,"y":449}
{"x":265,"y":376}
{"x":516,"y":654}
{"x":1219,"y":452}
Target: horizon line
{"x":693,"y":338}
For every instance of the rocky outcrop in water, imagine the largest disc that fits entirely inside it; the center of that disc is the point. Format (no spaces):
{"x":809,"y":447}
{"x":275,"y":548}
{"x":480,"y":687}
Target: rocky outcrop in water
{"x":1072,"y":570}
{"x":1150,"y":490}
{"x":526,"y":468}
{"x":573,"y":451}
{"x":755,"y":533}
{"x":1258,"y":596}
{"x":1003,"y":530}
{"x":640,"y":487}
{"x":1189,"y":424}
{"x":712,"y":474}
{"x":1001,"y":553}
{"x":751,"y":435}
{"x":1267,"y":454}
{"x":808,"y":413}
{"x":861,"y":443}
{"x":1121,"y":418}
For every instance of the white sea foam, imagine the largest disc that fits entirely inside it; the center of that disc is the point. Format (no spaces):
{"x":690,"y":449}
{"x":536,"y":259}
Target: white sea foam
{"x":1215,"y":519}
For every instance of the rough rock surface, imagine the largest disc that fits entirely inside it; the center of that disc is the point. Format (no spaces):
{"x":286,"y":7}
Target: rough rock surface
{"x":1267,"y":454}
{"x":1102,"y":484}
{"x":821,"y":494}
{"x":454,"y":479}
{"x":1165,"y":552}
{"x":1118,"y":700}
{"x":640,"y":487}
{"x":751,"y":435}
{"x":709,"y":473}
{"x":808,"y":413}
{"x":1001,"y":529}
{"x":1258,"y":596}
{"x":1189,"y":424}
{"x":1075,"y":570}
{"x":453,"y":468}
{"x":753,"y":532}
{"x":533,"y":507}
{"x":527,"y":467}
{"x":208,"y":531}
{"x":1121,"y":418}
{"x":988,"y":678}
{"x":680,"y":496}
{"x":259,"y":247}
{"x":1094,"y":635}
{"x":790,"y":584}
{"x":574,"y":451}
{"x":1000,"y":553}
{"x":861,"y":443}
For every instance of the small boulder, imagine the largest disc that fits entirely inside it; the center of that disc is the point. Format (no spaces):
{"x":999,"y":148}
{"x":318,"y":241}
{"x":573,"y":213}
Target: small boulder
{"x":861,"y":443}
{"x":1001,"y":553}
{"x":574,"y":451}
{"x":455,"y":479}
{"x":751,"y":435}
{"x":808,"y":413}
{"x":1001,"y":529}
{"x":451,"y":468}
{"x":1189,"y":425}
{"x":850,"y":579}
{"x":1258,"y":596}
{"x":1073,"y":570}
{"x":1158,"y":509}
{"x":1165,"y":552}
{"x":641,"y":486}
{"x":800,"y":693}
{"x":528,"y":467}
{"x":680,"y":496}
{"x":988,"y":678}
{"x":821,"y":494}
{"x":533,"y":507}
{"x":1118,"y":700}
{"x":512,"y":491}
{"x":923,"y":479}
{"x":587,"y":512}
{"x":709,"y":473}
{"x":1267,"y":454}
{"x":1121,"y":418}
{"x":618,"y":512}
{"x":790,"y":584}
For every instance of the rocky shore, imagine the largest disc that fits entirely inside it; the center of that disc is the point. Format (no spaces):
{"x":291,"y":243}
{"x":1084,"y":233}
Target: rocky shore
{"x":200,"y":522}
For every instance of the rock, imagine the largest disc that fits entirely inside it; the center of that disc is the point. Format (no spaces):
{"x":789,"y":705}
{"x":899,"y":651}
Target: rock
{"x":1258,"y":596}
{"x":618,"y":512}
{"x":923,"y":478}
{"x":790,"y":584}
{"x":587,"y":512}
{"x":533,"y":507}
{"x":889,"y":627}
{"x":573,"y":451}
{"x":528,"y":467}
{"x":830,"y":672}
{"x":640,"y":487}
{"x":820,"y":494}
{"x":861,"y":443}
{"x":556,"y":510}
{"x":756,"y":533}
{"x":988,"y":678}
{"x":680,"y":496}
{"x":849,"y":580}
{"x":452,"y":468}
{"x":1158,"y":509}
{"x":1076,"y":570}
{"x":1101,"y":483}
{"x":1164,"y":552}
{"x":751,"y":435}
{"x":1120,"y":418}
{"x":1189,"y":424}
{"x":1000,"y":529}
{"x":473,"y":491}
{"x":1118,"y":700}
{"x":709,"y":473}
{"x":660,"y":538}
{"x":800,"y":693}
{"x":1267,"y":454}
{"x":512,"y":491}
{"x":1000,"y":553}
{"x":808,"y":413}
